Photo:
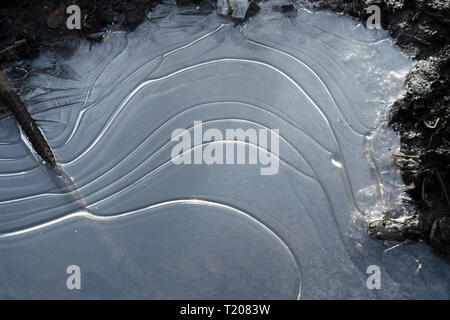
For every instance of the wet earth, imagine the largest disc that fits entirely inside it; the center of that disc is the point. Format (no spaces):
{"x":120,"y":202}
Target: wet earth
{"x":42,"y":23}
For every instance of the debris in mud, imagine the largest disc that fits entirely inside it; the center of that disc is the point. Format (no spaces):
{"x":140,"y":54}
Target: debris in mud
{"x":392,"y":230}
{"x":13,"y":46}
{"x":287,"y":9}
{"x":422,"y":116}
{"x":42,"y":22}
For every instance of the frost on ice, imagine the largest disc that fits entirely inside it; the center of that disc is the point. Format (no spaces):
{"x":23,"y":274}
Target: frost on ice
{"x":238,"y":7}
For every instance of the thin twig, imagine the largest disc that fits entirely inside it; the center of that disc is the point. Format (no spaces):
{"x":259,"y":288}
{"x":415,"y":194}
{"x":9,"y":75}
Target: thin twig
{"x":15,"y":45}
{"x":405,"y":156}
{"x":25,"y":120}
{"x":443,"y":187}
{"x":431,"y":138}
{"x":422,"y":41}
{"x":415,"y":16}
{"x":423,"y":187}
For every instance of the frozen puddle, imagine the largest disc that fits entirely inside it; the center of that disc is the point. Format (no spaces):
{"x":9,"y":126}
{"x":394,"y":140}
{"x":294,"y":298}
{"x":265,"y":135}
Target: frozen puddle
{"x":153,"y":229}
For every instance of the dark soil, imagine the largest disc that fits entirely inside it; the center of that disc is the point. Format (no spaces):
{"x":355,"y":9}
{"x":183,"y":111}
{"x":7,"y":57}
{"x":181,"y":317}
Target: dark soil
{"x":422,"y":117}
{"x":43,"y":22}
{"x":421,"y":28}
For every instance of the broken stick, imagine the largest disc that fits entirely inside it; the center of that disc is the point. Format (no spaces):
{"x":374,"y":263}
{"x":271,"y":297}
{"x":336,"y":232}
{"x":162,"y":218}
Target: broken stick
{"x":15,"y":45}
{"x":23,"y":117}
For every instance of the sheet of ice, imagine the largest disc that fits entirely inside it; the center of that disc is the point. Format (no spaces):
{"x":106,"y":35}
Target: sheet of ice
{"x":153,"y":229}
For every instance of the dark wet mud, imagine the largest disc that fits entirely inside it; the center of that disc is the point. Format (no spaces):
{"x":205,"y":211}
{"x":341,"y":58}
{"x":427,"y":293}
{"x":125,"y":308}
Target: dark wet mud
{"x":42,"y":23}
{"x":422,"y":117}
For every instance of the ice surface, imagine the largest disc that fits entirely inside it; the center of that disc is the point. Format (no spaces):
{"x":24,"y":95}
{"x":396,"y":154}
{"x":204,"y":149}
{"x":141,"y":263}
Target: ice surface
{"x":153,"y":229}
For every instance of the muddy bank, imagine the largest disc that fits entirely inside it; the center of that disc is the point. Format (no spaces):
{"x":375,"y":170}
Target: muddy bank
{"x":421,"y":29}
{"x":422,"y":117}
{"x":42,"y":23}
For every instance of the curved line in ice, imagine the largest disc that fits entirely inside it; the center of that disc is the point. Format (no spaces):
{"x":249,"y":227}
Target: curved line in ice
{"x":91,"y":216}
